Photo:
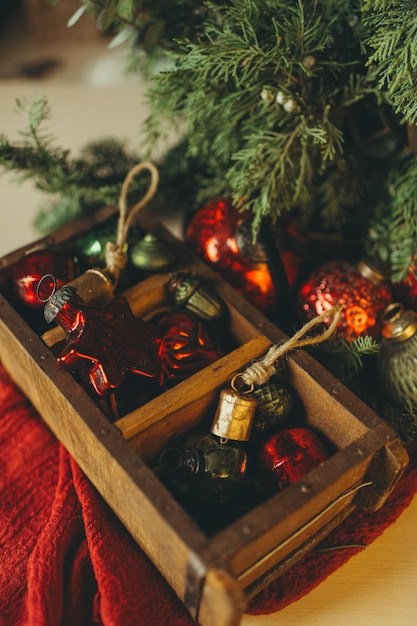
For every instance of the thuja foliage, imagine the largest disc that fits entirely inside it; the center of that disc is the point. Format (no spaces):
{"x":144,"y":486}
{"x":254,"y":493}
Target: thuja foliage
{"x":305,"y":107}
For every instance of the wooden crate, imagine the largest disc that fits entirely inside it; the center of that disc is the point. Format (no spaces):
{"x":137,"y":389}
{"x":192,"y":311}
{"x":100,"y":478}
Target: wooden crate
{"x":213,"y":575}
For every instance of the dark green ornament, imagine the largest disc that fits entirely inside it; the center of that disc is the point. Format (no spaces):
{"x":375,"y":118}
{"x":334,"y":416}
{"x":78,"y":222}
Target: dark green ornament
{"x":152,"y":254}
{"x":397,"y":358}
{"x":193,"y":294}
{"x":275,"y":406}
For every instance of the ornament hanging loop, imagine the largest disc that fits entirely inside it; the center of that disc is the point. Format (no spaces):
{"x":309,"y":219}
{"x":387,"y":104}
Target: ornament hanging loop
{"x":115,"y":254}
{"x":259,"y":372}
{"x":40,"y":283}
{"x":240,"y":386}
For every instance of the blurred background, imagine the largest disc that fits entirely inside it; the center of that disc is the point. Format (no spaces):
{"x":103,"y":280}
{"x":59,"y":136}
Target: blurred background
{"x":85,"y":83}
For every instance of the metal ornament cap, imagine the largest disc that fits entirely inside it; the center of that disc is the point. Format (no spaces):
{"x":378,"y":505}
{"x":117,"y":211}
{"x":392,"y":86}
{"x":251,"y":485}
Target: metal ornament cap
{"x":398,"y":325}
{"x":371,"y":273}
{"x":234,"y":416}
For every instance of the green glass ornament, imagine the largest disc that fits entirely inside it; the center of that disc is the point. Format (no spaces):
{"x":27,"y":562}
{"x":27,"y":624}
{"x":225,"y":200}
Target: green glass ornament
{"x":89,"y":247}
{"x":209,"y":473}
{"x":397,"y":358}
{"x":192,"y":293}
{"x":152,"y":254}
{"x":275,"y":406}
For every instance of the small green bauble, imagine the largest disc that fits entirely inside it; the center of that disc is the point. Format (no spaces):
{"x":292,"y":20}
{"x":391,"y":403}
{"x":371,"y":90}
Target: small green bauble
{"x":152,"y":254}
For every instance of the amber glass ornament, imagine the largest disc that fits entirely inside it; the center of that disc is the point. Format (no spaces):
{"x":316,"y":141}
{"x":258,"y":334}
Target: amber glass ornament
{"x":397,"y":358}
{"x":33,"y":267}
{"x":285,"y":457}
{"x":184,"y":346}
{"x":222,"y":236}
{"x":362,"y":292}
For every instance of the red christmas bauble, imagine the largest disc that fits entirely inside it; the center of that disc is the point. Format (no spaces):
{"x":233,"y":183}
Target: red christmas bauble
{"x":222,"y":236}
{"x":362,"y":292}
{"x":287,"y":456}
{"x":35,"y":265}
{"x":406,"y":290}
{"x":184,"y":346}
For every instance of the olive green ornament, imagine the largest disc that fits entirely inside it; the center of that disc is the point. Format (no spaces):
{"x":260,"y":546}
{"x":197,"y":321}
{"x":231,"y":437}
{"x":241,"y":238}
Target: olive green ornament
{"x":152,"y":254}
{"x":397,"y":358}
{"x":193,"y":294}
{"x":275,"y":406}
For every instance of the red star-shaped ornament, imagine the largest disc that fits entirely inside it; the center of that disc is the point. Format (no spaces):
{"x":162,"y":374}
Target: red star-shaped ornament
{"x":103,"y":344}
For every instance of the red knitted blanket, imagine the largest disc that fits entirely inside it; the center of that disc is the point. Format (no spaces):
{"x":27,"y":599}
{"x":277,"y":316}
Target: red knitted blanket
{"x":66,"y":559}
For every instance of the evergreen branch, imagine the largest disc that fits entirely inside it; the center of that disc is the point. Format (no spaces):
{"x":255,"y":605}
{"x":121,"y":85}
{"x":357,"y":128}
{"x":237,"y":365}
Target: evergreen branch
{"x":346,"y":358}
{"x":393,"y":229}
{"x":393,"y":41}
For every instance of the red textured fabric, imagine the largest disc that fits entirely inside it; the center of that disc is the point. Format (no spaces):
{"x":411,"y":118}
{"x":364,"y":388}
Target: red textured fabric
{"x":66,"y":559}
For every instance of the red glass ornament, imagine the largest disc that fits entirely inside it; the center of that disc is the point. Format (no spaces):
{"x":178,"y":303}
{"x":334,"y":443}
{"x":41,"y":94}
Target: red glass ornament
{"x":287,"y":456}
{"x":222,"y":236}
{"x":362,"y":292}
{"x":34,"y":266}
{"x":103,"y":344}
{"x":406,"y":290}
{"x":184,"y":346}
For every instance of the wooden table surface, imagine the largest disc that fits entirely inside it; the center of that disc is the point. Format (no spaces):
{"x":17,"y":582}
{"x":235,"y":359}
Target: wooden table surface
{"x":377,"y":587}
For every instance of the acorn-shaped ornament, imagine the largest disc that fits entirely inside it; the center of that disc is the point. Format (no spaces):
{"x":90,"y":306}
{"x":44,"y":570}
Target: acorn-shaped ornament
{"x":275,"y":406}
{"x":397,"y":358}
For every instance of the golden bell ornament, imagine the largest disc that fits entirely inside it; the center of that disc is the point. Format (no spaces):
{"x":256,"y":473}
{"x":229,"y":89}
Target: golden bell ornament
{"x":234,"y":416}
{"x":193,"y":294}
{"x":397,"y":358}
{"x":152,"y":254}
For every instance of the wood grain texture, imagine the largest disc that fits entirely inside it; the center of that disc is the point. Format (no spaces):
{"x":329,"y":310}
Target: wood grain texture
{"x":211,"y":575}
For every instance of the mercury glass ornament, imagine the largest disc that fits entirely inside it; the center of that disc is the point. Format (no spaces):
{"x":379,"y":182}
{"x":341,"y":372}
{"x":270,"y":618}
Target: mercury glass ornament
{"x":222,"y":236}
{"x":193,"y":294}
{"x":285,"y":457}
{"x":275,"y":406}
{"x":397,"y":358}
{"x":152,"y":254}
{"x":361,"y":290}
{"x":209,"y":473}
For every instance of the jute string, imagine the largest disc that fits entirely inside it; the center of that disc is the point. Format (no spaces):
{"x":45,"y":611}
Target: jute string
{"x":260,"y":371}
{"x":115,"y":255}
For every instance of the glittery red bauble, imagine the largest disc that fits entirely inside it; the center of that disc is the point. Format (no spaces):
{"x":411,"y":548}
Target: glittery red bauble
{"x":222,"y":236}
{"x":287,"y":456}
{"x":35,"y":265}
{"x":362,"y":293}
{"x":184,"y":346}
